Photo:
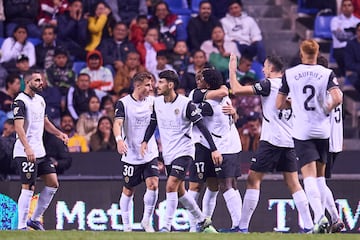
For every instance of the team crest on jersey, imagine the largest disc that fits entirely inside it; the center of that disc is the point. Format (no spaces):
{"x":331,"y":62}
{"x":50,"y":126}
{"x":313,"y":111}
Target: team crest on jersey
{"x":258,"y":86}
{"x":177,"y":111}
{"x":126,"y":179}
{"x":28,"y":175}
{"x":16,"y":110}
{"x":200,"y":175}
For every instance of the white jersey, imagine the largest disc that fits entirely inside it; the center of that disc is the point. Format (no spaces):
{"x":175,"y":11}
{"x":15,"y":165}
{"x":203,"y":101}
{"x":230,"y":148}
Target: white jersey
{"x":175,"y":127}
{"x":197,"y":135}
{"x":276,"y":124}
{"x":32,"y":110}
{"x":136,"y":115}
{"x":222,"y":128}
{"x":336,"y":133}
{"x":308,"y":85}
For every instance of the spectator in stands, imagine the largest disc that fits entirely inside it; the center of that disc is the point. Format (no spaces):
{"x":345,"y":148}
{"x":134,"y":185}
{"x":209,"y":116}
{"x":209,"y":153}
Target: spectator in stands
{"x":115,"y":49}
{"x":7,"y":141}
{"x":138,"y":29}
{"x":22,"y":13}
{"x":244,"y":73}
{"x":352,"y":60}
{"x":180,"y":58}
{"x":107,"y":107}
{"x":250,"y":133}
{"x":16,"y":45}
{"x":57,"y":152}
{"x":73,"y":33}
{"x":100,"y":24}
{"x":88,"y":121}
{"x":101,"y":78}
{"x":149,"y":48}
{"x":356,"y":4}
{"x":126,"y":72}
{"x":103,"y":139}
{"x":45,"y":51}
{"x":21,"y":67}
{"x":76,"y":143}
{"x":55,"y":102}
{"x":243,"y":29}
{"x":170,"y":26}
{"x":162,"y":64}
{"x":2,"y":19}
{"x":7,"y":96}
{"x":60,"y":74}
{"x":188,"y":82}
{"x":128,"y":10}
{"x":342,"y":27}
{"x":78,"y":96}
{"x":200,"y":27}
{"x":49,"y":10}
{"x":218,"y":49}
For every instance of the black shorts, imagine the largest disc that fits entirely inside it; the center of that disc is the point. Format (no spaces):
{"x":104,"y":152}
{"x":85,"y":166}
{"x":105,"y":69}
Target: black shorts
{"x":311,"y":150}
{"x":136,"y":174}
{"x":230,"y":167}
{"x":30,"y":171}
{"x":270,"y":158}
{"x":179,"y":167}
{"x":330,"y":163}
{"x":203,"y":166}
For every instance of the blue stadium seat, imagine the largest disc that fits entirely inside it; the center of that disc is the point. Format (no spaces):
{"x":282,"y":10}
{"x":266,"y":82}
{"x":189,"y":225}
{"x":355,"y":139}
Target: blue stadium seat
{"x":1,"y":41}
{"x":35,"y":41}
{"x":185,"y":19}
{"x":322,"y":27}
{"x":257,"y":67}
{"x":195,"y":6}
{"x":177,"y":7}
{"x":303,"y":9}
{"x":78,"y":66}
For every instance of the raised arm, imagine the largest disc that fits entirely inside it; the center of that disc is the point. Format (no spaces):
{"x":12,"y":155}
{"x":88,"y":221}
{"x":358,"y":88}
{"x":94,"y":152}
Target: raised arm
{"x":236,"y":88}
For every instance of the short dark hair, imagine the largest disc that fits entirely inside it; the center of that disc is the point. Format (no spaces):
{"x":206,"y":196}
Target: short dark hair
{"x":231,"y":2}
{"x":28,"y":74}
{"x":203,"y":2}
{"x":10,"y":79}
{"x":170,"y":76}
{"x":9,"y":121}
{"x":212,"y":77}
{"x":321,"y":60}
{"x":83,"y":74}
{"x":48,"y":26}
{"x":139,"y":17}
{"x":162,"y":53}
{"x":277,"y":62}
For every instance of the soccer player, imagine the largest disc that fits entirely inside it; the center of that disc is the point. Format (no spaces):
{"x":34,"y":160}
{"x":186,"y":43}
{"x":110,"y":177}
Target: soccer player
{"x":174,"y":115}
{"x":335,"y":147}
{"x":276,"y":147}
{"x":132,"y":116}
{"x":29,"y":152}
{"x":216,"y":109}
{"x":308,"y":84}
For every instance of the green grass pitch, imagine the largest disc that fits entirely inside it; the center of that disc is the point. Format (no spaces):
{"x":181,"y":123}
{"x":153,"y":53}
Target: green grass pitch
{"x":88,"y":235}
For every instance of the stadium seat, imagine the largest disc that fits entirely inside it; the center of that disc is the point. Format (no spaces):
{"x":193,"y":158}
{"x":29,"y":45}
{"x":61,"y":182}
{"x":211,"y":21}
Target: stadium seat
{"x":257,"y":67}
{"x":78,"y":65}
{"x":195,"y":5}
{"x":35,"y":41}
{"x":322,"y":27}
{"x":177,"y":7}
{"x":305,"y":10}
{"x":185,"y":19}
{"x":1,"y":41}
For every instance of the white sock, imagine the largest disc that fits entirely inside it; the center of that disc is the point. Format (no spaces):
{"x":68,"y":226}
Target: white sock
{"x":150,"y":199}
{"x":125,"y":204}
{"x":195,"y":195}
{"x":251,"y":200}
{"x":171,"y":205}
{"x":231,"y":199}
{"x":302,"y":205}
{"x":189,"y":203}
{"x":209,"y":202}
{"x":24,"y":206}
{"x":314,"y":197}
{"x":46,"y":195}
{"x":239,"y":200}
{"x":329,"y":202}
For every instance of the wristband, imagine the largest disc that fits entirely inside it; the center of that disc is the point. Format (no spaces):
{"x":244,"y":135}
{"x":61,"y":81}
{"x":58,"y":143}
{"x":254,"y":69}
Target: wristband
{"x":118,"y":138}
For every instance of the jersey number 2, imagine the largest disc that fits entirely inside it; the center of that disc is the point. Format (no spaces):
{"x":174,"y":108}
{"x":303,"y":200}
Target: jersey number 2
{"x":308,"y":99}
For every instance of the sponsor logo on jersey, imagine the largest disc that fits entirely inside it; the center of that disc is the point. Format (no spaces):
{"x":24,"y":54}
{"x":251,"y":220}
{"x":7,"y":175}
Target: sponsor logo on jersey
{"x":16,"y":110}
{"x":177,"y":111}
{"x":258,"y":86}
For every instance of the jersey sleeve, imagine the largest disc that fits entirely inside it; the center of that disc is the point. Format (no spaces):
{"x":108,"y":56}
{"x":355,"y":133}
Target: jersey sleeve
{"x":262,"y":88}
{"x":284,"y":89}
{"x":206,"y":109}
{"x":19,"y":110}
{"x":332,"y":81}
{"x":199,"y":95}
{"x":193,"y":113}
{"x":119,"y":110}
